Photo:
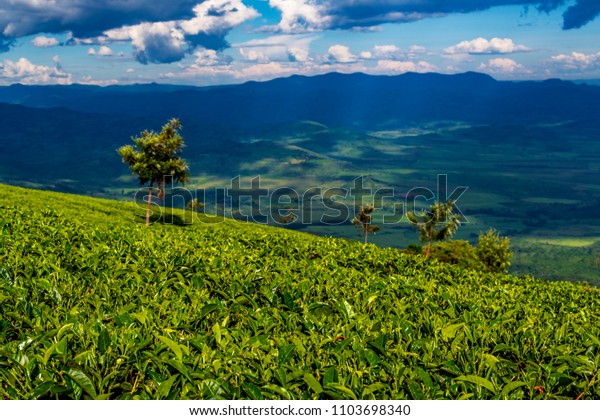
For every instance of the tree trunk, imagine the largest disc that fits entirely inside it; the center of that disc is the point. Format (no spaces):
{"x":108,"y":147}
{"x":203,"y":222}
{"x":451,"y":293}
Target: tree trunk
{"x":366,"y":234}
{"x":428,"y":249}
{"x":148,"y":207}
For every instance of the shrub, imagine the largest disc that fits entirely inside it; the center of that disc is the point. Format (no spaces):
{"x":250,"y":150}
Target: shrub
{"x":494,"y":251}
{"x":460,"y":253}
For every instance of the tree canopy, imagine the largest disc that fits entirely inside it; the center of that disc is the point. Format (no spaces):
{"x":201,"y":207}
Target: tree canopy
{"x":437,"y":223}
{"x":155,"y":156}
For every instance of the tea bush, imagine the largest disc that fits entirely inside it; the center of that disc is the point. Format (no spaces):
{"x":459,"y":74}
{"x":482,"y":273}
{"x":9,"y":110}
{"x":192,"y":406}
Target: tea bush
{"x":96,"y":306}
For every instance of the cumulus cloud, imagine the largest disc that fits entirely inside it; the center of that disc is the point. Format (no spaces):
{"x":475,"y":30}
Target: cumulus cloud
{"x":310,"y":15}
{"x":160,"y":42}
{"x":301,"y":15}
{"x":483,"y":46}
{"x":393,"y":52}
{"x":277,"y":48}
{"x":340,"y":54}
{"x":206,"y":57}
{"x":25,"y":72}
{"x":501,"y":65}
{"x":167,"y":42}
{"x":576,"y":60}
{"x":160,"y":32}
{"x":85,"y":18}
{"x":386,"y":51}
{"x":88,"y":80}
{"x":44,"y":42}
{"x":105,"y":51}
{"x":395,"y":67}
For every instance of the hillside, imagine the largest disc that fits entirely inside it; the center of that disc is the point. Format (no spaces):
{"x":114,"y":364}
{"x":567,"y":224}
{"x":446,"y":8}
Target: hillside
{"x":527,"y":151}
{"x":95,"y":305}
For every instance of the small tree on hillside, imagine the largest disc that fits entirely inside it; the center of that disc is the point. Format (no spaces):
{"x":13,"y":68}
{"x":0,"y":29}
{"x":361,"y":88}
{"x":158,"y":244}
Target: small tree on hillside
{"x":156,"y":156}
{"x":494,"y":251}
{"x":435,"y":224}
{"x":363,"y":220}
{"x":195,"y":205}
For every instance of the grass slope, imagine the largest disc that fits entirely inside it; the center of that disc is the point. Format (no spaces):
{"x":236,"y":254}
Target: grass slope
{"x":95,"y":305}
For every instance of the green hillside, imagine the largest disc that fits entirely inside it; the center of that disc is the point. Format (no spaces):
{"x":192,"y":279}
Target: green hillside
{"x":95,"y":305}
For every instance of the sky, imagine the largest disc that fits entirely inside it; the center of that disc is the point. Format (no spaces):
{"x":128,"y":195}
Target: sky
{"x":211,"y":42}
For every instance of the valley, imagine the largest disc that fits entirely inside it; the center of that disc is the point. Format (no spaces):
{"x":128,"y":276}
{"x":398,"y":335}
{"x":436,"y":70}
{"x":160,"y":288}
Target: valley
{"x":535,"y":180}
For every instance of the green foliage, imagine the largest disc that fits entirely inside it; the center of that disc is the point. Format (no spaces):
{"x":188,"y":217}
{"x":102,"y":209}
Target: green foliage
{"x":414,"y":249}
{"x":195,"y":205}
{"x":363,"y":221}
{"x":494,"y":251}
{"x":94,"y":306}
{"x":460,"y":253}
{"x":156,"y":158}
{"x":435,"y":224}
{"x":156,"y":155}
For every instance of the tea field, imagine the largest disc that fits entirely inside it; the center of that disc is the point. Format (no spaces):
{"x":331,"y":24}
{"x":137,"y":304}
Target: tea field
{"x":94,"y":305}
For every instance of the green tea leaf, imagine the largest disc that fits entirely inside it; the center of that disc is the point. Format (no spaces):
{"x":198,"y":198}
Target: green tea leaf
{"x":252,"y":390}
{"x":286,"y":352}
{"x":173,"y":346}
{"x":478,"y":380}
{"x":331,"y":376}
{"x":312,"y":383}
{"x":449,"y":331}
{"x":508,"y":388}
{"x":83,"y":381}
{"x":103,"y":342}
{"x":165,"y":387}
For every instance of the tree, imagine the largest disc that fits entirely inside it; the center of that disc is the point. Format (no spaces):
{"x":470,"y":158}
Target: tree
{"x":195,"y":205}
{"x":363,"y":220}
{"x":436,"y":224}
{"x":494,"y":251}
{"x":156,"y":156}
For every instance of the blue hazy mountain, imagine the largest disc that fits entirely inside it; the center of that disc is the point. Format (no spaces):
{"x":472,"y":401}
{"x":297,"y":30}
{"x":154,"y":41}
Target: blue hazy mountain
{"x":332,"y":99}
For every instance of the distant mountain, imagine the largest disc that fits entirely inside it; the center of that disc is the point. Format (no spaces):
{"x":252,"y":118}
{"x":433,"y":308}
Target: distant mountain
{"x":333,"y":99}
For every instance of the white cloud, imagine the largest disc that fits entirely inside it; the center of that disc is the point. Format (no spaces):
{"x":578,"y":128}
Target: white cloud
{"x":217,"y":17}
{"x":387,"y":51}
{"x":206,"y":57}
{"x":25,"y":72}
{"x":88,"y":80}
{"x":576,"y":60}
{"x":501,"y":65}
{"x":483,"y":46}
{"x":160,"y":42}
{"x":298,"y":16}
{"x":395,"y":67}
{"x":44,"y":42}
{"x":91,"y":51}
{"x":255,"y":54}
{"x":265,"y":71}
{"x":170,"y":41}
{"x":299,"y":54}
{"x":277,"y":48}
{"x":366,"y":55}
{"x":105,"y":51}
{"x":130,"y":70}
{"x":340,"y":54}
{"x":417,"y":49}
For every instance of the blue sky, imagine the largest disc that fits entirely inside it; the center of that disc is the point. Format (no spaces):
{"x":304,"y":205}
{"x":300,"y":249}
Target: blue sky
{"x":231,"y":41}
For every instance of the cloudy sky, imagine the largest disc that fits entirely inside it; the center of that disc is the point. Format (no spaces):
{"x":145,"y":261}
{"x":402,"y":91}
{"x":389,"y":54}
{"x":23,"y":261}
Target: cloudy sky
{"x":231,"y":41}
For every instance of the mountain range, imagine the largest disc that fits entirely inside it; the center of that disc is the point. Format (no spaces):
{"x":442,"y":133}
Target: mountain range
{"x":332,"y":99}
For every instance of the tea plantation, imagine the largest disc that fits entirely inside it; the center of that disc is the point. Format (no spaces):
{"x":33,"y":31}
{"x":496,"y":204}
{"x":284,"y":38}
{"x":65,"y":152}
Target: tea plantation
{"x":95,"y":305}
